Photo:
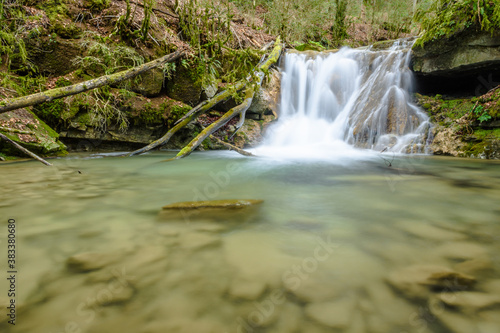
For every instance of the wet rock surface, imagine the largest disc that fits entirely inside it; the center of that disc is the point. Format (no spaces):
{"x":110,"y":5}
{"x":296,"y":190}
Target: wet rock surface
{"x":236,"y":209}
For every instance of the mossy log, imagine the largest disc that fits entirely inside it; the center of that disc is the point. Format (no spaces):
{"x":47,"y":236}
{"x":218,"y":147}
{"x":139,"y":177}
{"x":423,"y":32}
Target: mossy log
{"x":49,"y":95}
{"x":24,"y":150}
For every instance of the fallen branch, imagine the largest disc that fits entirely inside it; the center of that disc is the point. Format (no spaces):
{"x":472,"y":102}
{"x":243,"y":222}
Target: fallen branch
{"x":24,"y":150}
{"x":216,"y":125}
{"x":205,"y":106}
{"x":49,"y":95}
{"x":228,"y":145}
{"x":186,"y":119}
{"x":239,"y":109}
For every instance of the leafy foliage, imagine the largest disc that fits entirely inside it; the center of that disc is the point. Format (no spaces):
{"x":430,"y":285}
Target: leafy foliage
{"x":481,"y":114}
{"x":445,"y":18}
{"x":104,"y":57}
{"x":11,"y":19}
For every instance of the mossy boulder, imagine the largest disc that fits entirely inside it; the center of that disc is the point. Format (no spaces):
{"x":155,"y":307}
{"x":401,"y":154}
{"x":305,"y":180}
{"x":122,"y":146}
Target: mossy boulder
{"x":185,"y":85}
{"x":228,"y":210}
{"x":461,"y":128}
{"x":25,"y":128}
{"x":132,"y":121}
{"x":53,"y":55}
{"x":148,"y":84}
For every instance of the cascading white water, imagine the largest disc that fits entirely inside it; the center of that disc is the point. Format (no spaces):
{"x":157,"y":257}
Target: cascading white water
{"x":332,"y":104}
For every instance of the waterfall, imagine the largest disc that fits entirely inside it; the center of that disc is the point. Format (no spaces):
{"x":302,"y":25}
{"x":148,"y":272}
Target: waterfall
{"x":336,"y":103}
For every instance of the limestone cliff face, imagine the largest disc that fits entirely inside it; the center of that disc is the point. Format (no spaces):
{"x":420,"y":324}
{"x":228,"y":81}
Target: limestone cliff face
{"x":462,"y":54}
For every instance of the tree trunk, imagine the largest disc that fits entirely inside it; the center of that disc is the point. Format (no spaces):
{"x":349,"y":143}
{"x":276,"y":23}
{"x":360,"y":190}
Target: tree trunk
{"x":49,"y":95}
{"x":24,"y":150}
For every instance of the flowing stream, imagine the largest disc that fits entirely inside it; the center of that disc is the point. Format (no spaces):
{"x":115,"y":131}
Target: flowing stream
{"x":342,"y":248}
{"x":345,"y":240}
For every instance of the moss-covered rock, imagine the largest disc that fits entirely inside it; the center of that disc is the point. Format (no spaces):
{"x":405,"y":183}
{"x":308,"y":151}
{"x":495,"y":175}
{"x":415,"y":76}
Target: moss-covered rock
{"x":25,"y":128}
{"x":466,"y":127}
{"x":148,"y":84}
{"x":185,"y":85}
{"x":53,"y":55}
{"x":218,"y":210}
{"x":124,"y":119}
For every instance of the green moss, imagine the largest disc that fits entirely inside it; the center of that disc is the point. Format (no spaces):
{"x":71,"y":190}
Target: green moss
{"x":308,"y":46}
{"x":63,"y":82}
{"x":151,"y":115}
{"x":97,"y":5}
{"x":445,"y":18}
{"x":55,"y":9}
{"x":67,"y":31}
{"x":177,"y":111}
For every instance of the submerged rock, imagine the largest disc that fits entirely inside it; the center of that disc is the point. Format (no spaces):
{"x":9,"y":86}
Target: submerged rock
{"x":234,"y":209}
{"x":229,"y":203}
{"x":468,"y":301}
{"x":90,"y":261}
{"x":417,"y":282}
{"x":462,"y":251}
{"x":336,"y":314}
{"x":197,"y":240}
{"x":431,"y":232}
{"x":246,"y":288}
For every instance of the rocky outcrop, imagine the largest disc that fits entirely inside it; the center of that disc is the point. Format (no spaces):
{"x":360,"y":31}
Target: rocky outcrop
{"x":464,"y":127}
{"x":464,"y":64}
{"x":29,"y":131}
{"x":458,"y":55}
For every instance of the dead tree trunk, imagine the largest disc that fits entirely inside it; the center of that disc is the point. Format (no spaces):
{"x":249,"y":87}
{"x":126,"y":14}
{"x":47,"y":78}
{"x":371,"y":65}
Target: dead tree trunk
{"x":24,"y":150}
{"x":49,"y":95}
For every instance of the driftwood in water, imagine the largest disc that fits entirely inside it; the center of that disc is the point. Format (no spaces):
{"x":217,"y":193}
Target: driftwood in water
{"x":24,"y":150}
{"x":205,"y":106}
{"x":49,"y":95}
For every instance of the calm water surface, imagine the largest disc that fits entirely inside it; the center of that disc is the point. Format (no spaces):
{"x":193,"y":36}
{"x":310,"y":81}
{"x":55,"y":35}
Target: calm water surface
{"x":335,"y":247}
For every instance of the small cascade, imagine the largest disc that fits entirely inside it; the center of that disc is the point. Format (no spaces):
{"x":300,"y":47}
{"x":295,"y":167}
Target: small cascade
{"x":336,"y":103}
